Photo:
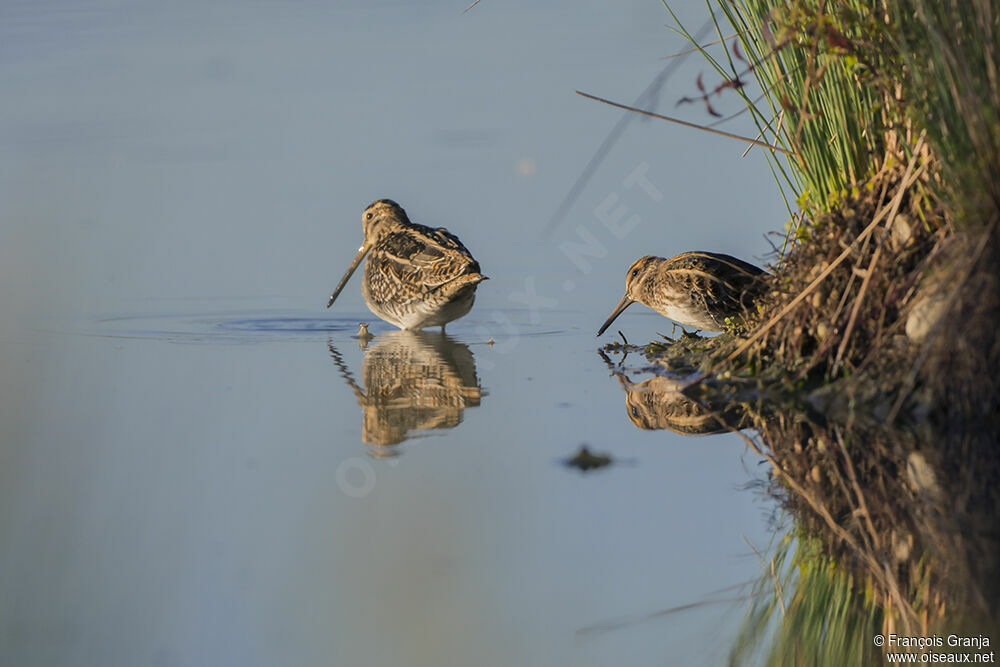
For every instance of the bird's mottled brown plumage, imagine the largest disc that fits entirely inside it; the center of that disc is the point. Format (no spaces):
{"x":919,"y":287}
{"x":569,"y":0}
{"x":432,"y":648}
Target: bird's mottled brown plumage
{"x":415,"y":276}
{"x":698,"y":289}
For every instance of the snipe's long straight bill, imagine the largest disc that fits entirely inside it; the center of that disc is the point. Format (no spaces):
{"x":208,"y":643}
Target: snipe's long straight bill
{"x":362,"y":251}
{"x":619,"y":309}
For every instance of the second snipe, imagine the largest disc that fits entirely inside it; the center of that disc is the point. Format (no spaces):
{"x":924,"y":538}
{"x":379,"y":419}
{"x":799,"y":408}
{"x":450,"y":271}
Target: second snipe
{"x":698,"y":289}
{"x":415,"y":276}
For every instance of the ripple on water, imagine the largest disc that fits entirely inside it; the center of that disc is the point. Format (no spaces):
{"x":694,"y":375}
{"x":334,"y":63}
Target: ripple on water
{"x":249,"y":327}
{"x":224,"y":328}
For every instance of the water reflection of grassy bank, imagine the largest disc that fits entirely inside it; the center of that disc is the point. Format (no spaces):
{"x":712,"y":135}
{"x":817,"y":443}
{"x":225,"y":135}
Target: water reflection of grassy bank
{"x":894,"y":527}
{"x":902,"y":532}
{"x":815,"y":610}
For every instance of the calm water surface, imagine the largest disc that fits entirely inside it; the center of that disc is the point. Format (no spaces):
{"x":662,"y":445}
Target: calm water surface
{"x":199,"y":465}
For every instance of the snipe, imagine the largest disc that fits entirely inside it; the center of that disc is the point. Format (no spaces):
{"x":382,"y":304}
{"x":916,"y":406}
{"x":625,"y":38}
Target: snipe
{"x":697,"y":289}
{"x":415,"y":276}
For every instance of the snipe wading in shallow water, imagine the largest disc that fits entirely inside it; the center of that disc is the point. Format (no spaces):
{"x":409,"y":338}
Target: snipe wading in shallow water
{"x":697,"y":289}
{"x":415,"y":276}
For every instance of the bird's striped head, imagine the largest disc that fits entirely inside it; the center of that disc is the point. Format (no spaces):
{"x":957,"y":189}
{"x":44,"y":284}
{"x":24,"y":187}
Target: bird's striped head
{"x":637,"y":275}
{"x":381,"y":216}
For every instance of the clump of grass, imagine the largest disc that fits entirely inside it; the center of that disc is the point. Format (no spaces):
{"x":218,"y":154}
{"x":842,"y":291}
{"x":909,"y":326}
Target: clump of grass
{"x":829,"y":109}
{"x":950,"y":82}
{"x":861,"y":97}
{"x":950,"y":50}
{"x":826,"y":99}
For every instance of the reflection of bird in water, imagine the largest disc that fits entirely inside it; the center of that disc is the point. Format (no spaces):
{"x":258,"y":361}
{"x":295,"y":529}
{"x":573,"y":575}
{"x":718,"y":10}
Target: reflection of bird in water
{"x":413,"y":380}
{"x":657,"y":403}
{"x":415,"y":276}
{"x":699,"y":289}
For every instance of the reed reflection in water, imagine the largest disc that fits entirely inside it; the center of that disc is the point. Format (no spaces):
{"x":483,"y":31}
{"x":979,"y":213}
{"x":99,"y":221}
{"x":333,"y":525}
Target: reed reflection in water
{"x":893,"y":529}
{"x":411,"y":381}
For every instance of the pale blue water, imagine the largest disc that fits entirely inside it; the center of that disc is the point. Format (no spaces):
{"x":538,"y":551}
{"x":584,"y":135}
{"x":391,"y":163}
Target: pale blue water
{"x":184,"y":472}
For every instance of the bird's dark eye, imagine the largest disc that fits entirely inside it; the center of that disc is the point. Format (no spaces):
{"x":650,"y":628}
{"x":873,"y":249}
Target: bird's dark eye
{"x":370,"y":215}
{"x":635,"y":272}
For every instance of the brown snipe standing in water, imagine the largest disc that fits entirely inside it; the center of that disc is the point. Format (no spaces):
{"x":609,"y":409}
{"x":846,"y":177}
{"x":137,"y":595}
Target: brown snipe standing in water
{"x":415,"y":276}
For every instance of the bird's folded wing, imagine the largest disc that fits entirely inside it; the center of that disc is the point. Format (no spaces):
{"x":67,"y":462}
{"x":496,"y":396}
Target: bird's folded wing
{"x":424,"y":260}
